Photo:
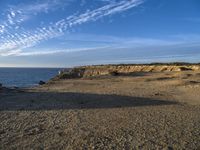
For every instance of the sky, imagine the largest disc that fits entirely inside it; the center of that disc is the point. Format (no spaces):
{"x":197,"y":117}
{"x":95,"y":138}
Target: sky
{"x":66,"y":33}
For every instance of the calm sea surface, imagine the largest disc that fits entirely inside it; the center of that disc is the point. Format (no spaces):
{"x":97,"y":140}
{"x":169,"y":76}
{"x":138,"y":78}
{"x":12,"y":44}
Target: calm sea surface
{"x":25,"y":77}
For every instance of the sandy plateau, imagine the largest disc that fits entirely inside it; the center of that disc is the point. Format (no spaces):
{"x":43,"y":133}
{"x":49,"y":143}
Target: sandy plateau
{"x":141,"y":110}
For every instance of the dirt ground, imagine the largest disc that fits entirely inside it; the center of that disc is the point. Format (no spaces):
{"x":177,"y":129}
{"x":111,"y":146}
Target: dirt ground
{"x":137,"y":111}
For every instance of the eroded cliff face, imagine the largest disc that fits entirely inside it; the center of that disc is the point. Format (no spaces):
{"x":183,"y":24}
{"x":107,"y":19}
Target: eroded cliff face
{"x":92,"y":71}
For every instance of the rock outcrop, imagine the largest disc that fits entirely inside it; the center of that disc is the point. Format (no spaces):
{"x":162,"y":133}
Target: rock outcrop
{"x":41,"y":83}
{"x":102,"y":70}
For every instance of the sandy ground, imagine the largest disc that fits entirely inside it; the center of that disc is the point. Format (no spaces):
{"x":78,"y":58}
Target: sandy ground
{"x":138,"y":111}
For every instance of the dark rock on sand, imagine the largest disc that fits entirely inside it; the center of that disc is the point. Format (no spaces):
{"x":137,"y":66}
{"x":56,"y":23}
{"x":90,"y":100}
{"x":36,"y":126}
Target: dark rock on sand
{"x":113,"y":73}
{"x":42,"y":83}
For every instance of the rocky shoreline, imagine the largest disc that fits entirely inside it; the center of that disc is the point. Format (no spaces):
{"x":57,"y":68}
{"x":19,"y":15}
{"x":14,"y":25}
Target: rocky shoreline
{"x":134,"y":110}
{"x":103,"y":70}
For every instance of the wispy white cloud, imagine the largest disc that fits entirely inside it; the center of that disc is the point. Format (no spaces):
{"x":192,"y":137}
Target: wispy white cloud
{"x":2,"y":28}
{"x":15,"y":15}
{"x":25,"y":39}
{"x":117,"y":43}
{"x":11,"y":52}
{"x":133,"y":42}
{"x":50,"y":52}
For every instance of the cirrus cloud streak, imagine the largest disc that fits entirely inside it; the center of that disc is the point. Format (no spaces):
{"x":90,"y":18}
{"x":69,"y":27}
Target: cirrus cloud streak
{"x":11,"y":44}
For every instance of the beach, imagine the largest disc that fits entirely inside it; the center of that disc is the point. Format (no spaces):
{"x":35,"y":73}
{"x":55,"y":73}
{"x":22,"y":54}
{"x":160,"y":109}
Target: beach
{"x":142,"y":110}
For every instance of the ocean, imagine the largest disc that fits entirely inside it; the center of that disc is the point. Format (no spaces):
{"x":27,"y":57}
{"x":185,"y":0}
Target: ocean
{"x":26,"y":77}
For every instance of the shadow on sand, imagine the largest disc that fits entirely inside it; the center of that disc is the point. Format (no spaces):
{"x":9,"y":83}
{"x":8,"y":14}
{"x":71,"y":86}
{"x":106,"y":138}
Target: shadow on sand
{"x":55,"y":101}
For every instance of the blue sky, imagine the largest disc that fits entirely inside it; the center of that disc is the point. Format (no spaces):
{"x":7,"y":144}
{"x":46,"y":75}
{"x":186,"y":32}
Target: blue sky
{"x":65,"y":33}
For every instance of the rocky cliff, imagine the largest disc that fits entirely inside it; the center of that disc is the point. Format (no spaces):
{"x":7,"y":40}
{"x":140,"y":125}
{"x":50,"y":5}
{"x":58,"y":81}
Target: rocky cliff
{"x":101,"y":70}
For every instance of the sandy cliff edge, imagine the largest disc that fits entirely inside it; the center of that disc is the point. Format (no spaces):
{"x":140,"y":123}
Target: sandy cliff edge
{"x":101,"y":70}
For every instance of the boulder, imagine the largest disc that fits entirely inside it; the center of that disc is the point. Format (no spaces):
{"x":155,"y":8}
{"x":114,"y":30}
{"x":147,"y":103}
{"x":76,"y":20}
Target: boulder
{"x":1,"y":86}
{"x":42,"y":83}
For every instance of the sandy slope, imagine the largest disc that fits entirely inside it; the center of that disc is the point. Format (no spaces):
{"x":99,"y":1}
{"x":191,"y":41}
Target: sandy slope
{"x":141,"y":111}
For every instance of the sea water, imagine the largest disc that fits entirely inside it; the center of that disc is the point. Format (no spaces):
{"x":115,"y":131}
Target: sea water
{"x":26,"y":77}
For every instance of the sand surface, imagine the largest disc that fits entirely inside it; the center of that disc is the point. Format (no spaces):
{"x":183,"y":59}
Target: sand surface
{"x":137,"y":111}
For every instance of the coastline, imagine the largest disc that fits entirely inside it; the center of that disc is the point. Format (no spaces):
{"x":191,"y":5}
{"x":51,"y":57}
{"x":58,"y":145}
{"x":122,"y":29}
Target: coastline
{"x":25,"y":77}
{"x":158,"y":110}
